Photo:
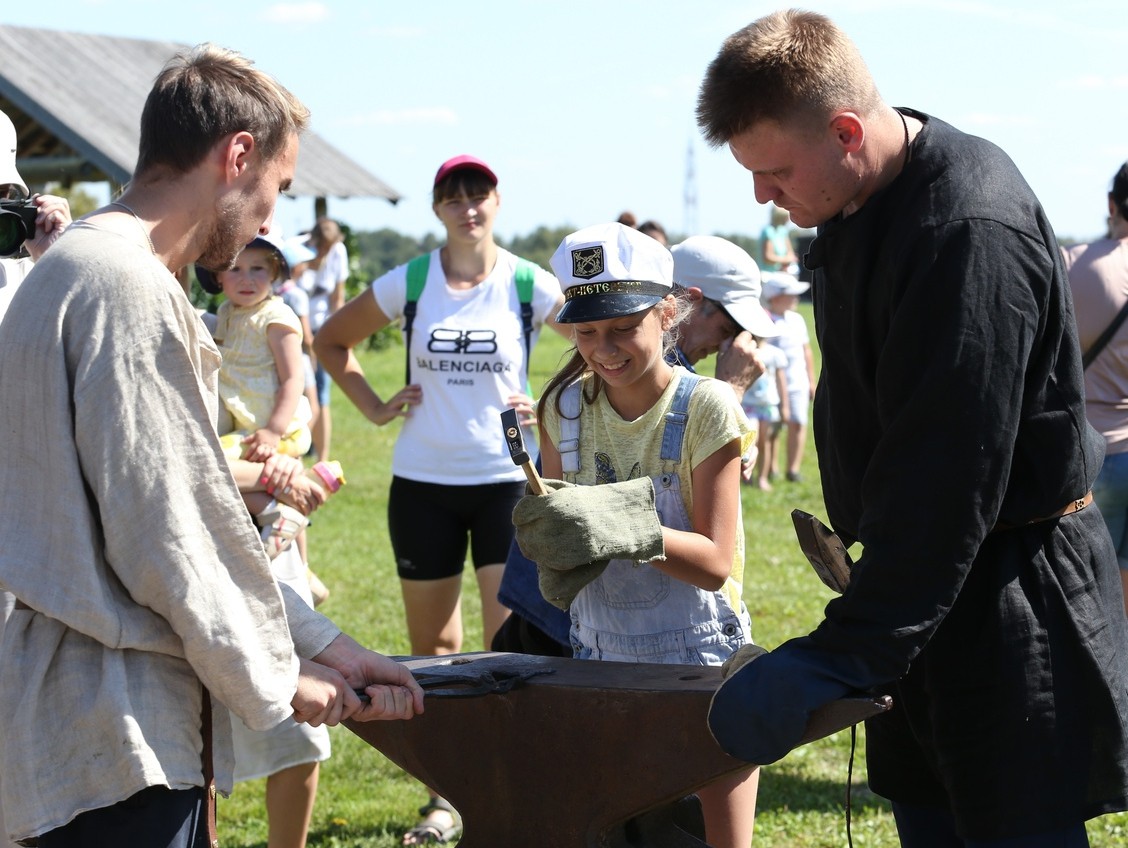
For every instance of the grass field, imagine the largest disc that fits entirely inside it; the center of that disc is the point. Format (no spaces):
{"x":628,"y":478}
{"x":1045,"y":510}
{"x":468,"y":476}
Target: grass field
{"x":365,"y":801}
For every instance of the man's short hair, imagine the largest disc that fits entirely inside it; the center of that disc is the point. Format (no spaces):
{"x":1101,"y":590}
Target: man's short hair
{"x":1119,"y":191}
{"x":793,"y":67}
{"x":205,"y":94}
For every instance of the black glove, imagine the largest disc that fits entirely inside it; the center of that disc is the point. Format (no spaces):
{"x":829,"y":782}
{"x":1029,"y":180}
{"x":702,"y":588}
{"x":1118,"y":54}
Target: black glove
{"x":760,"y":711}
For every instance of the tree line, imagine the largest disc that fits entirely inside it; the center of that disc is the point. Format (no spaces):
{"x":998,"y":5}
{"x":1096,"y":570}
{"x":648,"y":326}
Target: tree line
{"x":374,"y":253}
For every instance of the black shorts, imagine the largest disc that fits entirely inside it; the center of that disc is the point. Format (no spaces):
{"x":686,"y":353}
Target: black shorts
{"x":429,"y":524}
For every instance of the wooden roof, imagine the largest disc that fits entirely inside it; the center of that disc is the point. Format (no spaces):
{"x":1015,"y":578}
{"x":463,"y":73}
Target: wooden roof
{"x":78,"y":119}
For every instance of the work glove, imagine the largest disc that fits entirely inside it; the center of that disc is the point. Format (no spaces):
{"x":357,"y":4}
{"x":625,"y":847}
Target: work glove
{"x":579,"y":525}
{"x":761,"y":709}
{"x":560,"y":588}
{"x":744,"y":655}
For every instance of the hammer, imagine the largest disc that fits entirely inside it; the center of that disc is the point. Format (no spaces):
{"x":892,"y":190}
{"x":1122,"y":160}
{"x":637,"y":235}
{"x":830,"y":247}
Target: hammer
{"x":515,"y":441}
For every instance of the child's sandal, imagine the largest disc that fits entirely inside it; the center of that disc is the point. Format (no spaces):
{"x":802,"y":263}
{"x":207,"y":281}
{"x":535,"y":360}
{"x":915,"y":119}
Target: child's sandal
{"x":280,"y":523}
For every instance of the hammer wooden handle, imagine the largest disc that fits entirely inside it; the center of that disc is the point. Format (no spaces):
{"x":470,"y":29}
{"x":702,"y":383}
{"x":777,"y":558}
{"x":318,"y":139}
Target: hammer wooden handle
{"x":515,"y":441}
{"x":536,"y":484}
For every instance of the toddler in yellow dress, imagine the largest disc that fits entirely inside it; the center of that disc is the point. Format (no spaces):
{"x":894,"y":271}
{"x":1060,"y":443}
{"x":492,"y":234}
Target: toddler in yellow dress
{"x":261,"y":380}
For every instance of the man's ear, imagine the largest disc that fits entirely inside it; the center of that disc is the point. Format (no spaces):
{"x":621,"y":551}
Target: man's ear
{"x":693,"y":294}
{"x":237,"y":150}
{"x":849,"y":131}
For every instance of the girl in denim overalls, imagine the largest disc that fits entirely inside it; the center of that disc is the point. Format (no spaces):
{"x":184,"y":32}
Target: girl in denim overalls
{"x":618,"y":411}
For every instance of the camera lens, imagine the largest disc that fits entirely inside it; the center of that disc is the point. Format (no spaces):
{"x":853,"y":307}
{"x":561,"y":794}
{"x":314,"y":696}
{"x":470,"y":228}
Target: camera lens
{"x":13,"y":233}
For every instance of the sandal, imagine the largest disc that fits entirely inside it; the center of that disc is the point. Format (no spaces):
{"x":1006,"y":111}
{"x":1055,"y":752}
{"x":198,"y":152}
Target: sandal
{"x":280,"y":523}
{"x":429,"y":831}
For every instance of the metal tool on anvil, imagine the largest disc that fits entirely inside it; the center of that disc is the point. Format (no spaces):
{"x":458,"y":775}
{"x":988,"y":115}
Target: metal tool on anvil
{"x":515,"y":441}
{"x":824,"y":550}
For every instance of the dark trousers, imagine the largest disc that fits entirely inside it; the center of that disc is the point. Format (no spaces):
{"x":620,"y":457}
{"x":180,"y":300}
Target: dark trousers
{"x":156,"y":817}
{"x":518,"y":635}
{"x":933,"y":827}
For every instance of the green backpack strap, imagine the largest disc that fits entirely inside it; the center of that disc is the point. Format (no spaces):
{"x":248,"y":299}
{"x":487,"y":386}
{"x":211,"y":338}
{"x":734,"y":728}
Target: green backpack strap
{"x":524,"y":277}
{"x":417,"y":270}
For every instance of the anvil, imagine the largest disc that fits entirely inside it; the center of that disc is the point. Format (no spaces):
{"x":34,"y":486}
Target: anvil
{"x":562,"y":753}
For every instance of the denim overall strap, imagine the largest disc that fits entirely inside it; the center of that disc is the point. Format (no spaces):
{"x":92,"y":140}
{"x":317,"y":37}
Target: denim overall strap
{"x":569,"y":446}
{"x":673,"y":434}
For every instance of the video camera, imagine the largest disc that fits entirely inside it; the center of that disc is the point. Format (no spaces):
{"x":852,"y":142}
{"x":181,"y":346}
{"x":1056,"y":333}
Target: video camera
{"x":17,"y":224}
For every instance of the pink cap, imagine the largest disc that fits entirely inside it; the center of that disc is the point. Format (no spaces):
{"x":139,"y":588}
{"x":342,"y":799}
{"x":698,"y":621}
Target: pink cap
{"x":459,"y":163}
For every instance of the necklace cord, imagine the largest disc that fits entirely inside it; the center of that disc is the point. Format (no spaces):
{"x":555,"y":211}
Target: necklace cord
{"x":140,"y":223}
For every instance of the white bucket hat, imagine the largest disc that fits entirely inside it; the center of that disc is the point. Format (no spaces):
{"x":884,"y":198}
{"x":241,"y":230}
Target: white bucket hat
{"x":8,"y":172}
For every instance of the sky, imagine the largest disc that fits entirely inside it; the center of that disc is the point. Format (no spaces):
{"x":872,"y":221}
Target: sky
{"x":585,"y":108}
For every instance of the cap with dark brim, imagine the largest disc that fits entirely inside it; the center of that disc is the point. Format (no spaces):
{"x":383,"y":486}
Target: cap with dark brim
{"x":611,"y":299}
{"x":209,"y":282}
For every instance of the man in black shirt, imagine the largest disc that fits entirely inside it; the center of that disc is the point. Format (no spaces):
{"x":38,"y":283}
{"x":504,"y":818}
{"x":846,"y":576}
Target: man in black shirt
{"x":950,"y":426}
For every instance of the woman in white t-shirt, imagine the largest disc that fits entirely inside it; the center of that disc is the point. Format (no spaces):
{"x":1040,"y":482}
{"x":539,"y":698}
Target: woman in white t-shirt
{"x":453,"y":479}
{"x":324,"y":282}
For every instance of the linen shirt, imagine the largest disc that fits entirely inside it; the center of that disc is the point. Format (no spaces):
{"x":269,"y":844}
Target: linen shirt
{"x":124,"y":532}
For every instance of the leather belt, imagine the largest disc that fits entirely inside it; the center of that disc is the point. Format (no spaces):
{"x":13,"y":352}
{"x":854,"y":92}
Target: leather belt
{"x":1073,"y":506}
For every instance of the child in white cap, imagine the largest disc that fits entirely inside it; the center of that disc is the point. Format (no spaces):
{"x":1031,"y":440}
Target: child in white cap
{"x":641,"y":537}
{"x":780,"y":296}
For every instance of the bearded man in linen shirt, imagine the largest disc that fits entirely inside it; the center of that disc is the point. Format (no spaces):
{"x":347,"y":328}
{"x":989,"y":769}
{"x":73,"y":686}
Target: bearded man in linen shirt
{"x":145,"y":603}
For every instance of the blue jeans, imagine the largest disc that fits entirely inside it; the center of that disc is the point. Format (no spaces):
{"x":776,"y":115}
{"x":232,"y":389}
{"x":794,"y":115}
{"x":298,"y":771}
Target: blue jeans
{"x":1110,"y":491}
{"x":933,"y":827}
{"x":323,"y":381}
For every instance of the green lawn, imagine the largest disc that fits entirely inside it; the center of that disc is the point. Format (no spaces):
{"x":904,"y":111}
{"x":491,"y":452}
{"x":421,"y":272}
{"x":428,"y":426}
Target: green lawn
{"x":366,"y":801}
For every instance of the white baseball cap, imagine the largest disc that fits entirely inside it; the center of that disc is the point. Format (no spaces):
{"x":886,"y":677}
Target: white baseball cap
{"x":780,"y":282}
{"x":610,"y":270}
{"x":8,"y":172}
{"x":296,"y":250}
{"x":727,"y":275}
